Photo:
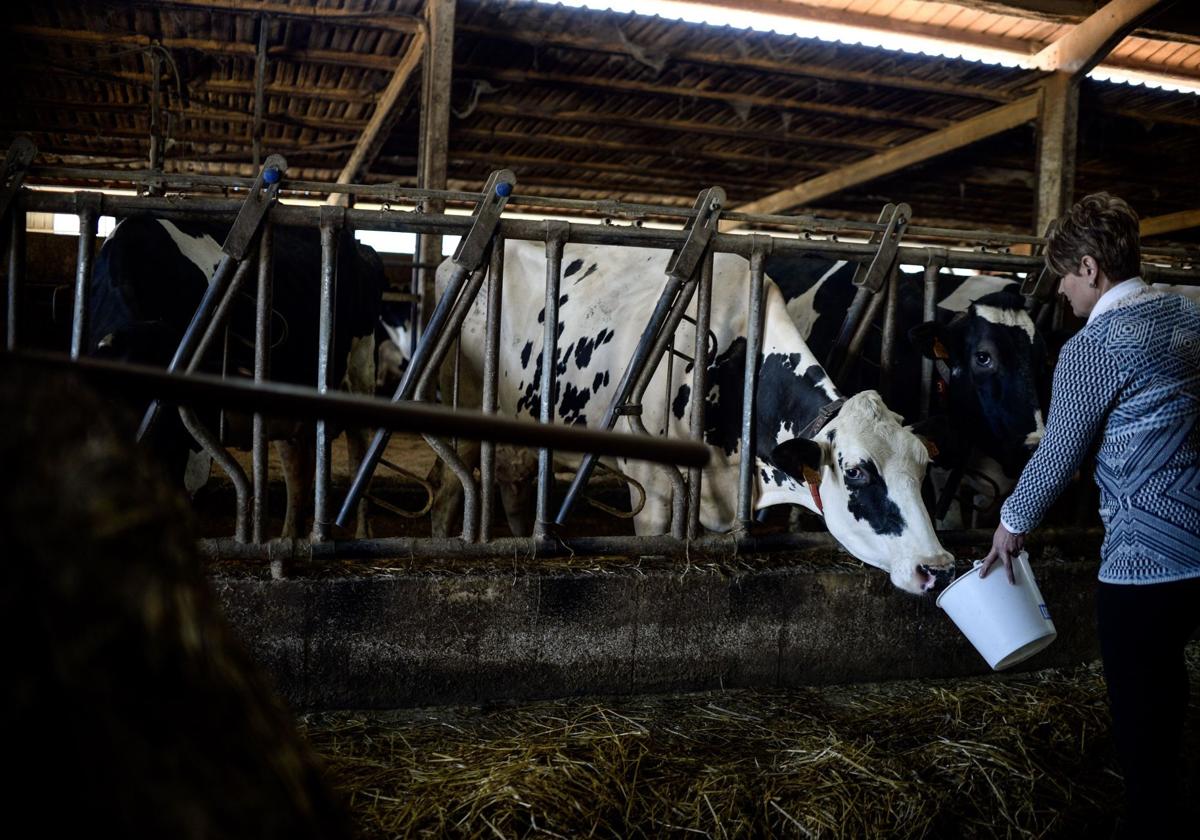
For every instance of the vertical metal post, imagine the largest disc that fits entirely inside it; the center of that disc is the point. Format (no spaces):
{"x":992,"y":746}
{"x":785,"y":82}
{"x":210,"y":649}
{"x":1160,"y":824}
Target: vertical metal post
{"x":556,"y":238}
{"x":260,"y":81}
{"x":491,"y":358}
{"x":156,"y":132}
{"x":332,"y":219}
{"x":928,"y":313}
{"x":699,"y":389}
{"x":262,"y":367}
{"x":760,"y":247}
{"x":88,"y":207}
{"x":887,"y":348}
{"x":16,"y":268}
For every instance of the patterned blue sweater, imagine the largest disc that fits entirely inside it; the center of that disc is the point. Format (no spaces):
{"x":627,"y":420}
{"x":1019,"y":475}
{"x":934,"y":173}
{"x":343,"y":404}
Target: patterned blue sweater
{"x":1133,"y":373}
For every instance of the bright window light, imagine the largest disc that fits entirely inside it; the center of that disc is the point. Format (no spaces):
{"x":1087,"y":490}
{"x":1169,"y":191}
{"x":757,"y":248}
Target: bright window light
{"x":392,"y":242}
{"x":68,"y":223}
{"x":840,"y":33}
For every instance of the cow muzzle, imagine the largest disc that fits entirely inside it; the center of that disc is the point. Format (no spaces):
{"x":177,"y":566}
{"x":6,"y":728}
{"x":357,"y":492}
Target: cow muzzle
{"x":936,"y":578}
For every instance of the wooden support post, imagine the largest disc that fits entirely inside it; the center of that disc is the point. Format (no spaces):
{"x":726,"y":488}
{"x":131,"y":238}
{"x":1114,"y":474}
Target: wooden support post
{"x":1057,"y":137}
{"x":435,"y":136}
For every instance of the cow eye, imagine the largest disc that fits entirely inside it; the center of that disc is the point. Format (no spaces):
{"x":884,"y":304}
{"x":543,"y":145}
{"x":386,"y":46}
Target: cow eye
{"x":855,"y":475}
{"x":983,"y":359}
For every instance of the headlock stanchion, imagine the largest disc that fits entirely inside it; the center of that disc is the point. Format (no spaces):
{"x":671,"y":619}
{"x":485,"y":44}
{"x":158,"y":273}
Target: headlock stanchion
{"x":238,"y":242}
{"x":671,"y":306}
{"x":869,"y":280}
{"x":470,"y":257}
{"x":20,"y":155}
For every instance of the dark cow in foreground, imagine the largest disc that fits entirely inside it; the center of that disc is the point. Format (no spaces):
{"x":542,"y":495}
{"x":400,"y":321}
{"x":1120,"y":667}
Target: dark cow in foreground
{"x":124,"y":682}
{"x":149,"y":277}
{"x":992,"y":362}
{"x":857,"y":466}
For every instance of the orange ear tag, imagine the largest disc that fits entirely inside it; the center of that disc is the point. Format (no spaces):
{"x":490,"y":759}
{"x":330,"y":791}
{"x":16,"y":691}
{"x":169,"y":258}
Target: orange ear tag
{"x":813,"y":478}
{"x":939,"y":349}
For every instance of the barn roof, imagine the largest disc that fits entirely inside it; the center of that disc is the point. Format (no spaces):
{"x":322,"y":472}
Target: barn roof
{"x":596,"y":104}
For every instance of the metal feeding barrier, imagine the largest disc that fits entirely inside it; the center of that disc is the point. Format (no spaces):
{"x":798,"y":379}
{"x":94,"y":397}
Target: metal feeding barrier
{"x":479,"y":259}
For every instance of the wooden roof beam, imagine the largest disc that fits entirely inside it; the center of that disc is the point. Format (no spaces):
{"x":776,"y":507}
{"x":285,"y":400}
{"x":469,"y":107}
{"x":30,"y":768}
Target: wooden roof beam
{"x":1171,"y":222}
{"x":922,"y":149}
{"x":377,"y":19}
{"x":1090,"y":41}
{"x":383,"y":118}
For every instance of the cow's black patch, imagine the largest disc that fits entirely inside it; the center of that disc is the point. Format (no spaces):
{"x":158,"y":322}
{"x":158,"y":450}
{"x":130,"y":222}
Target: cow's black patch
{"x":830,"y":435}
{"x":679,"y":406}
{"x":574,"y":400}
{"x":784,"y":400}
{"x":583,"y":352}
{"x":574,"y":266}
{"x":870,"y":502}
{"x":599,"y":381}
{"x":591,"y":270}
{"x":525,"y":352}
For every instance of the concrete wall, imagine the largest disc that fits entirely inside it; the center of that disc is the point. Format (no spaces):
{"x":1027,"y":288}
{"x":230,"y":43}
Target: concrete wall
{"x":389,"y":641}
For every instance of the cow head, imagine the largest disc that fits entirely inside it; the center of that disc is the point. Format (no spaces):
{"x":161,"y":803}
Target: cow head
{"x":994,"y":364}
{"x":866,"y":469}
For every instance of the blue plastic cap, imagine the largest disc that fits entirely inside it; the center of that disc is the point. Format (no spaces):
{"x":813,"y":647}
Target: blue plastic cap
{"x":504,"y":189}
{"x":271,"y":175}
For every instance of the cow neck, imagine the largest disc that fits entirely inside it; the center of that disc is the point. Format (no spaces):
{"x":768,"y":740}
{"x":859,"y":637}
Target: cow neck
{"x":825,"y":414}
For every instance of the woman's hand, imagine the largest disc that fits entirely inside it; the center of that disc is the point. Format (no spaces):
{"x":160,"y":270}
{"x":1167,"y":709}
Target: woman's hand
{"x":1005,"y":545}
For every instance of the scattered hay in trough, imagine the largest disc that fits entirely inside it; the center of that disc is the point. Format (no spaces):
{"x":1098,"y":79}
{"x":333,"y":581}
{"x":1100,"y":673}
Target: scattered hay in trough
{"x":989,"y":757}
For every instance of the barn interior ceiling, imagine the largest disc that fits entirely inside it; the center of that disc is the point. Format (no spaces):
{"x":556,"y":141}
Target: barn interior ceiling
{"x":598,"y":104}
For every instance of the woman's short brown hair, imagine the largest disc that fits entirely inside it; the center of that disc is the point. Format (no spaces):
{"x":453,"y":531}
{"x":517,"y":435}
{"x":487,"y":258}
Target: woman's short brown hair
{"x":1101,"y":226}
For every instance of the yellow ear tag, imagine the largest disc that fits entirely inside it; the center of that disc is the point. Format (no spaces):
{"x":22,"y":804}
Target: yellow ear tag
{"x":930,"y":447}
{"x":939,"y":349}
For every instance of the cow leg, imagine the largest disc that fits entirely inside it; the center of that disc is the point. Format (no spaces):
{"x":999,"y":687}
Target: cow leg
{"x":360,"y":379}
{"x":447,"y":509}
{"x":516,"y":477}
{"x":297,"y":457}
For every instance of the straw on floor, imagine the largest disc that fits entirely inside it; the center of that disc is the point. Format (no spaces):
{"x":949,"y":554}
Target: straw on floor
{"x":1018,"y":756}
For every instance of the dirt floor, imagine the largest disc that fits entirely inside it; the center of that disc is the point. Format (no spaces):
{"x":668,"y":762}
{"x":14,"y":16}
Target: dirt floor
{"x":1023,"y":756}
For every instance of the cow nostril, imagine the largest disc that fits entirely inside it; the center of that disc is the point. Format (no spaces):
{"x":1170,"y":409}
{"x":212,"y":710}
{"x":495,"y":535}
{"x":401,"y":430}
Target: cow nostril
{"x":937,"y":577}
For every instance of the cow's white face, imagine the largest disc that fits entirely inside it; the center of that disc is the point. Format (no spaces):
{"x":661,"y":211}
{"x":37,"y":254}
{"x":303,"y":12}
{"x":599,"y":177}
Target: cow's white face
{"x":870,"y":469}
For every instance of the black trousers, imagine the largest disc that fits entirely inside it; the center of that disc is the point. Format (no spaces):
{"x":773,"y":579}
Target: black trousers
{"x":1143,"y":631}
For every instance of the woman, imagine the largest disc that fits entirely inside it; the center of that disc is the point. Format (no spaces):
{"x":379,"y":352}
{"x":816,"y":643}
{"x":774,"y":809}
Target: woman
{"x":1130,"y":381}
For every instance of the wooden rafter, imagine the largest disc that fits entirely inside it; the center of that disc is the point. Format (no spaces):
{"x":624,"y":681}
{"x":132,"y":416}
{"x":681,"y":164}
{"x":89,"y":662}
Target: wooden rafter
{"x":1171,"y":222}
{"x":955,"y":137}
{"x":377,"y":19}
{"x":1086,"y":44}
{"x":734,"y":60}
{"x":385,"y":113}
{"x":854,"y":112}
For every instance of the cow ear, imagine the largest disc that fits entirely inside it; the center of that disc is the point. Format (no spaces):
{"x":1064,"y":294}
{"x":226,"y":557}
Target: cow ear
{"x":799,"y":457}
{"x":939,"y":438}
{"x":929,"y":339}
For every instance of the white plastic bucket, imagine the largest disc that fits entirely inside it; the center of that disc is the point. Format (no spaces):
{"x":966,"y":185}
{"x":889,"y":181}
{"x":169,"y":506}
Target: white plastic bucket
{"x":1006,"y":623}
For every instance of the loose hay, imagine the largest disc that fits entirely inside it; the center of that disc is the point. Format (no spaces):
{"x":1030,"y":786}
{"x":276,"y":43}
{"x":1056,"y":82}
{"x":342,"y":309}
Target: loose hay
{"x":1024,"y":756}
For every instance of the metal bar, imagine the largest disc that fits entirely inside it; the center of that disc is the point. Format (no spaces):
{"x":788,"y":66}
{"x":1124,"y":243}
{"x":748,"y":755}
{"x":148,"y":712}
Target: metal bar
{"x":887,"y":347}
{"x":491,"y":360}
{"x":640,"y":359}
{"x":929,"y":313}
{"x":754,"y":341}
{"x":89,"y":206}
{"x":192,"y":335}
{"x":699,"y":390}
{"x":277,"y":399}
{"x":532,"y":230}
{"x":557,"y":234}
{"x":220,"y":316}
{"x":16,"y":269}
{"x":241,"y":485}
{"x":262,"y":370}
{"x":260,"y":81}
{"x":156,"y":133}
{"x":332,"y":219}
{"x":710,"y":547}
{"x":860,"y":336}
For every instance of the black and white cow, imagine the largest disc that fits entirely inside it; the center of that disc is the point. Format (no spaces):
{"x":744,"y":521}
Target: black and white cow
{"x":150,"y":275}
{"x":849,"y":460}
{"x":993,"y":368}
